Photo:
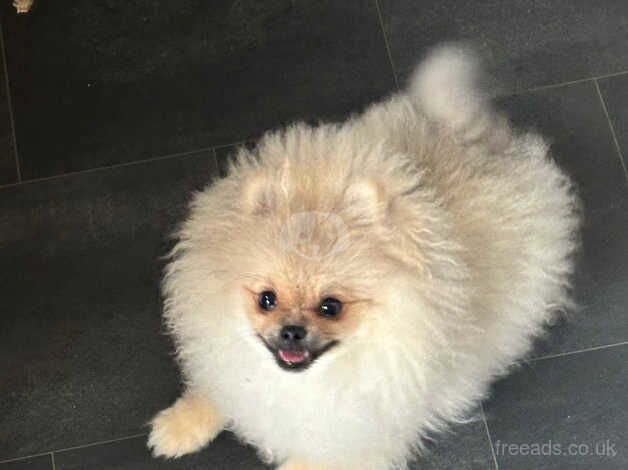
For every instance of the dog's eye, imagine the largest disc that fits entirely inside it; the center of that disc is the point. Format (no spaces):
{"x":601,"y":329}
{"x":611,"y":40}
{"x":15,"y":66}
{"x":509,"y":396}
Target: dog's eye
{"x":267,"y":300}
{"x":330,"y":307}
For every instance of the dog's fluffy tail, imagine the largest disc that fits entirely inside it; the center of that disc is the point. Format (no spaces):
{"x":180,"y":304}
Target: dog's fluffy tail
{"x":447,"y":88}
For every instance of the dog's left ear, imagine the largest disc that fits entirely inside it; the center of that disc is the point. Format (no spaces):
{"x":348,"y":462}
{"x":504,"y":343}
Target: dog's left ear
{"x":366,"y":200}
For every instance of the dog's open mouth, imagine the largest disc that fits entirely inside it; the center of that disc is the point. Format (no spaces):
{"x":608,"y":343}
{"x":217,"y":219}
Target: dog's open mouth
{"x":293,"y":357}
{"x":296,"y":359}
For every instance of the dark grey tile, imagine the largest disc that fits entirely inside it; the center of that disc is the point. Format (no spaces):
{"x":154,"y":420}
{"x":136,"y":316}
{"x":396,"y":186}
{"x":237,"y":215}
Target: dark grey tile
{"x":465,"y":447}
{"x":225,"y":453}
{"x":615,"y":92}
{"x":42,"y":462}
{"x":82,"y":354}
{"x":98,"y":83}
{"x":572,"y":118}
{"x":600,"y":287}
{"x":555,"y":407}
{"x":8,"y":171}
{"x":533,"y":43}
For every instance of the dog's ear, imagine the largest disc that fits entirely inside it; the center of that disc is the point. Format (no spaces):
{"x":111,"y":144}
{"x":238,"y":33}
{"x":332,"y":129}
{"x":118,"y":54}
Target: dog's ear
{"x":365,"y":199}
{"x":256,"y":196}
{"x":261,"y":191}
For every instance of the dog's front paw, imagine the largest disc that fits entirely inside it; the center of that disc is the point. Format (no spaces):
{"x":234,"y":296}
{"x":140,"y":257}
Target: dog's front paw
{"x":22,"y":6}
{"x":185,"y":427}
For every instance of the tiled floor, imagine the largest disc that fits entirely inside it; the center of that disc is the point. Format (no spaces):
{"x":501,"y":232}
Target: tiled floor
{"x":119,"y":108}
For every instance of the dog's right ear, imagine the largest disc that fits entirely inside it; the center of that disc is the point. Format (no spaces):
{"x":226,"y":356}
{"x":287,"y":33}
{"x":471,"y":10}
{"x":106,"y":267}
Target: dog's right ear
{"x":256,"y":196}
{"x":262,"y":190}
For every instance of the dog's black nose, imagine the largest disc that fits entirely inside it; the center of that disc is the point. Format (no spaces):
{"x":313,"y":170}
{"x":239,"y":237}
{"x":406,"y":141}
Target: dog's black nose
{"x":292,"y":334}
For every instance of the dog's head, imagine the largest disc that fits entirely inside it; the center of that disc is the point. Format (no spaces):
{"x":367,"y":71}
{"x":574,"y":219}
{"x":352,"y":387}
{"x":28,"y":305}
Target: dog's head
{"x":316,"y":240}
{"x":323,"y":246}
{"x":315,"y":281}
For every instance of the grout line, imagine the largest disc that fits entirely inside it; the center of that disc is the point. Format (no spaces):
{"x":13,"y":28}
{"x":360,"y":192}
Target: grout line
{"x":97,"y":443}
{"x":24,"y":457}
{"x":612,"y":128}
{"x":556,"y":85}
{"x":488,"y":435}
{"x":52,"y":461}
{"x":82,"y":446}
{"x":579,"y":351}
{"x":18,"y":169}
{"x":120,"y":165}
{"x":609,"y":75}
{"x":381,"y":24}
{"x":572,"y":82}
{"x":110,"y":167}
{"x":216,"y":165}
{"x":233,"y":144}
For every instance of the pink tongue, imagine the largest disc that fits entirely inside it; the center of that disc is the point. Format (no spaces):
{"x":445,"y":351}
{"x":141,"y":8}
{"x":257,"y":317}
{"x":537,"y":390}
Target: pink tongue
{"x":292,"y":356}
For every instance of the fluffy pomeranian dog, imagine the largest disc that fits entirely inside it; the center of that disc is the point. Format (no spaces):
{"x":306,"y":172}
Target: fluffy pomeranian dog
{"x":349,"y":289}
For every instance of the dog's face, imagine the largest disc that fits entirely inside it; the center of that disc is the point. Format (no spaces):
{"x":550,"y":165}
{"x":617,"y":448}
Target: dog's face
{"x":299,"y":321}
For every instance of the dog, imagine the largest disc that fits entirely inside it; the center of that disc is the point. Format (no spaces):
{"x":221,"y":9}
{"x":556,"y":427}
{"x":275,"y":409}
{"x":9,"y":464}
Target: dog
{"x":349,"y":289}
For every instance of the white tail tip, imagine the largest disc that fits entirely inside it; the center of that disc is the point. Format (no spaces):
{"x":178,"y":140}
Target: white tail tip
{"x":446,"y":86}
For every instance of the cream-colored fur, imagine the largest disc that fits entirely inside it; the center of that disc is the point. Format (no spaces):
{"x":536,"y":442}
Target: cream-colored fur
{"x":22,"y":6}
{"x":185,"y":427}
{"x":296,"y":465}
{"x":458,"y":230}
